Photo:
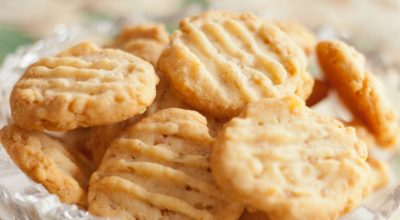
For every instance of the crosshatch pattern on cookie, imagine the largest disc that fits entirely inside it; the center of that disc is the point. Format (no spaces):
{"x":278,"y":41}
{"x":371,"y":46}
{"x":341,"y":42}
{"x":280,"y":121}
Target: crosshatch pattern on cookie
{"x":220,"y":61}
{"x":82,"y":86}
{"x":280,"y":157}
{"x":160,"y":168}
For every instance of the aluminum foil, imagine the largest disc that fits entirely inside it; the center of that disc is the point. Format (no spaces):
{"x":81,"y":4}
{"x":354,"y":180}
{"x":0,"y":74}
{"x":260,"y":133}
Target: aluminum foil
{"x":21,"y":198}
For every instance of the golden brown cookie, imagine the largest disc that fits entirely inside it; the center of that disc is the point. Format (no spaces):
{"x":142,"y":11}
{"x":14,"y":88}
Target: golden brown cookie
{"x":319,"y":91}
{"x":301,"y":35}
{"x":345,"y":69}
{"x":81,"y":87}
{"x":284,"y":159}
{"x":220,"y":61}
{"x":49,"y":162}
{"x":159,"y":169}
{"x":146,"y":41}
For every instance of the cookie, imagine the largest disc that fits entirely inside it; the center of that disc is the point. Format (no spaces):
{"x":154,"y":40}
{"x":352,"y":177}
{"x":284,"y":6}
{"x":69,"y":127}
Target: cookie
{"x":320,"y":91}
{"x":345,"y":70}
{"x":301,"y":35}
{"x":159,"y":169}
{"x":284,"y":159}
{"x":220,"y":61}
{"x":81,"y":87}
{"x":49,"y":162}
{"x":146,"y":41}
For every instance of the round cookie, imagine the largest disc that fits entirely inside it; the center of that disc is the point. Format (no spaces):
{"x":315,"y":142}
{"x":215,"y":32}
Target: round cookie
{"x":159,"y":169}
{"x":146,"y":41}
{"x":284,"y":159}
{"x":81,"y":87}
{"x":345,"y":69}
{"x":301,"y":35}
{"x":46,"y":160}
{"x":220,"y":61}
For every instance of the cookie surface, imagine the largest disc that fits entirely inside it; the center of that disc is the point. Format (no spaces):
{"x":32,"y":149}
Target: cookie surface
{"x":345,"y":69}
{"x":49,"y":162}
{"x":220,"y":61}
{"x":146,"y":41}
{"x":284,"y":159}
{"x":159,"y":169}
{"x":81,"y":87}
{"x":303,"y":37}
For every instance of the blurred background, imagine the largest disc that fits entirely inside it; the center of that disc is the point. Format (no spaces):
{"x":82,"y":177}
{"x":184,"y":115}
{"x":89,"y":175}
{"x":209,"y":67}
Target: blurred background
{"x":372,"y":26}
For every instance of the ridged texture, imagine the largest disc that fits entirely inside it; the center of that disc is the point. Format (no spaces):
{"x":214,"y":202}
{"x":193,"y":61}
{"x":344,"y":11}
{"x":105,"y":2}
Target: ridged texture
{"x":81,"y":87}
{"x":220,"y":61}
{"x":362,"y":93}
{"x":46,"y":160}
{"x":159,"y":169}
{"x":280,"y":157}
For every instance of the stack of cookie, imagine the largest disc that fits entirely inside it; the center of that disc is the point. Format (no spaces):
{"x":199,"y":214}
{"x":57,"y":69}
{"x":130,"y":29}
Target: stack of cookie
{"x":204,"y":124}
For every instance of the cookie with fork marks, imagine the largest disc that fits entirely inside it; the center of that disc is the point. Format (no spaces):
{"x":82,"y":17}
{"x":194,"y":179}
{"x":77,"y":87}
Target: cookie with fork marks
{"x":159,"y":169}
{"x":220,"y":61}
{"x":82,"y":86}
{"x":282,"y":158}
